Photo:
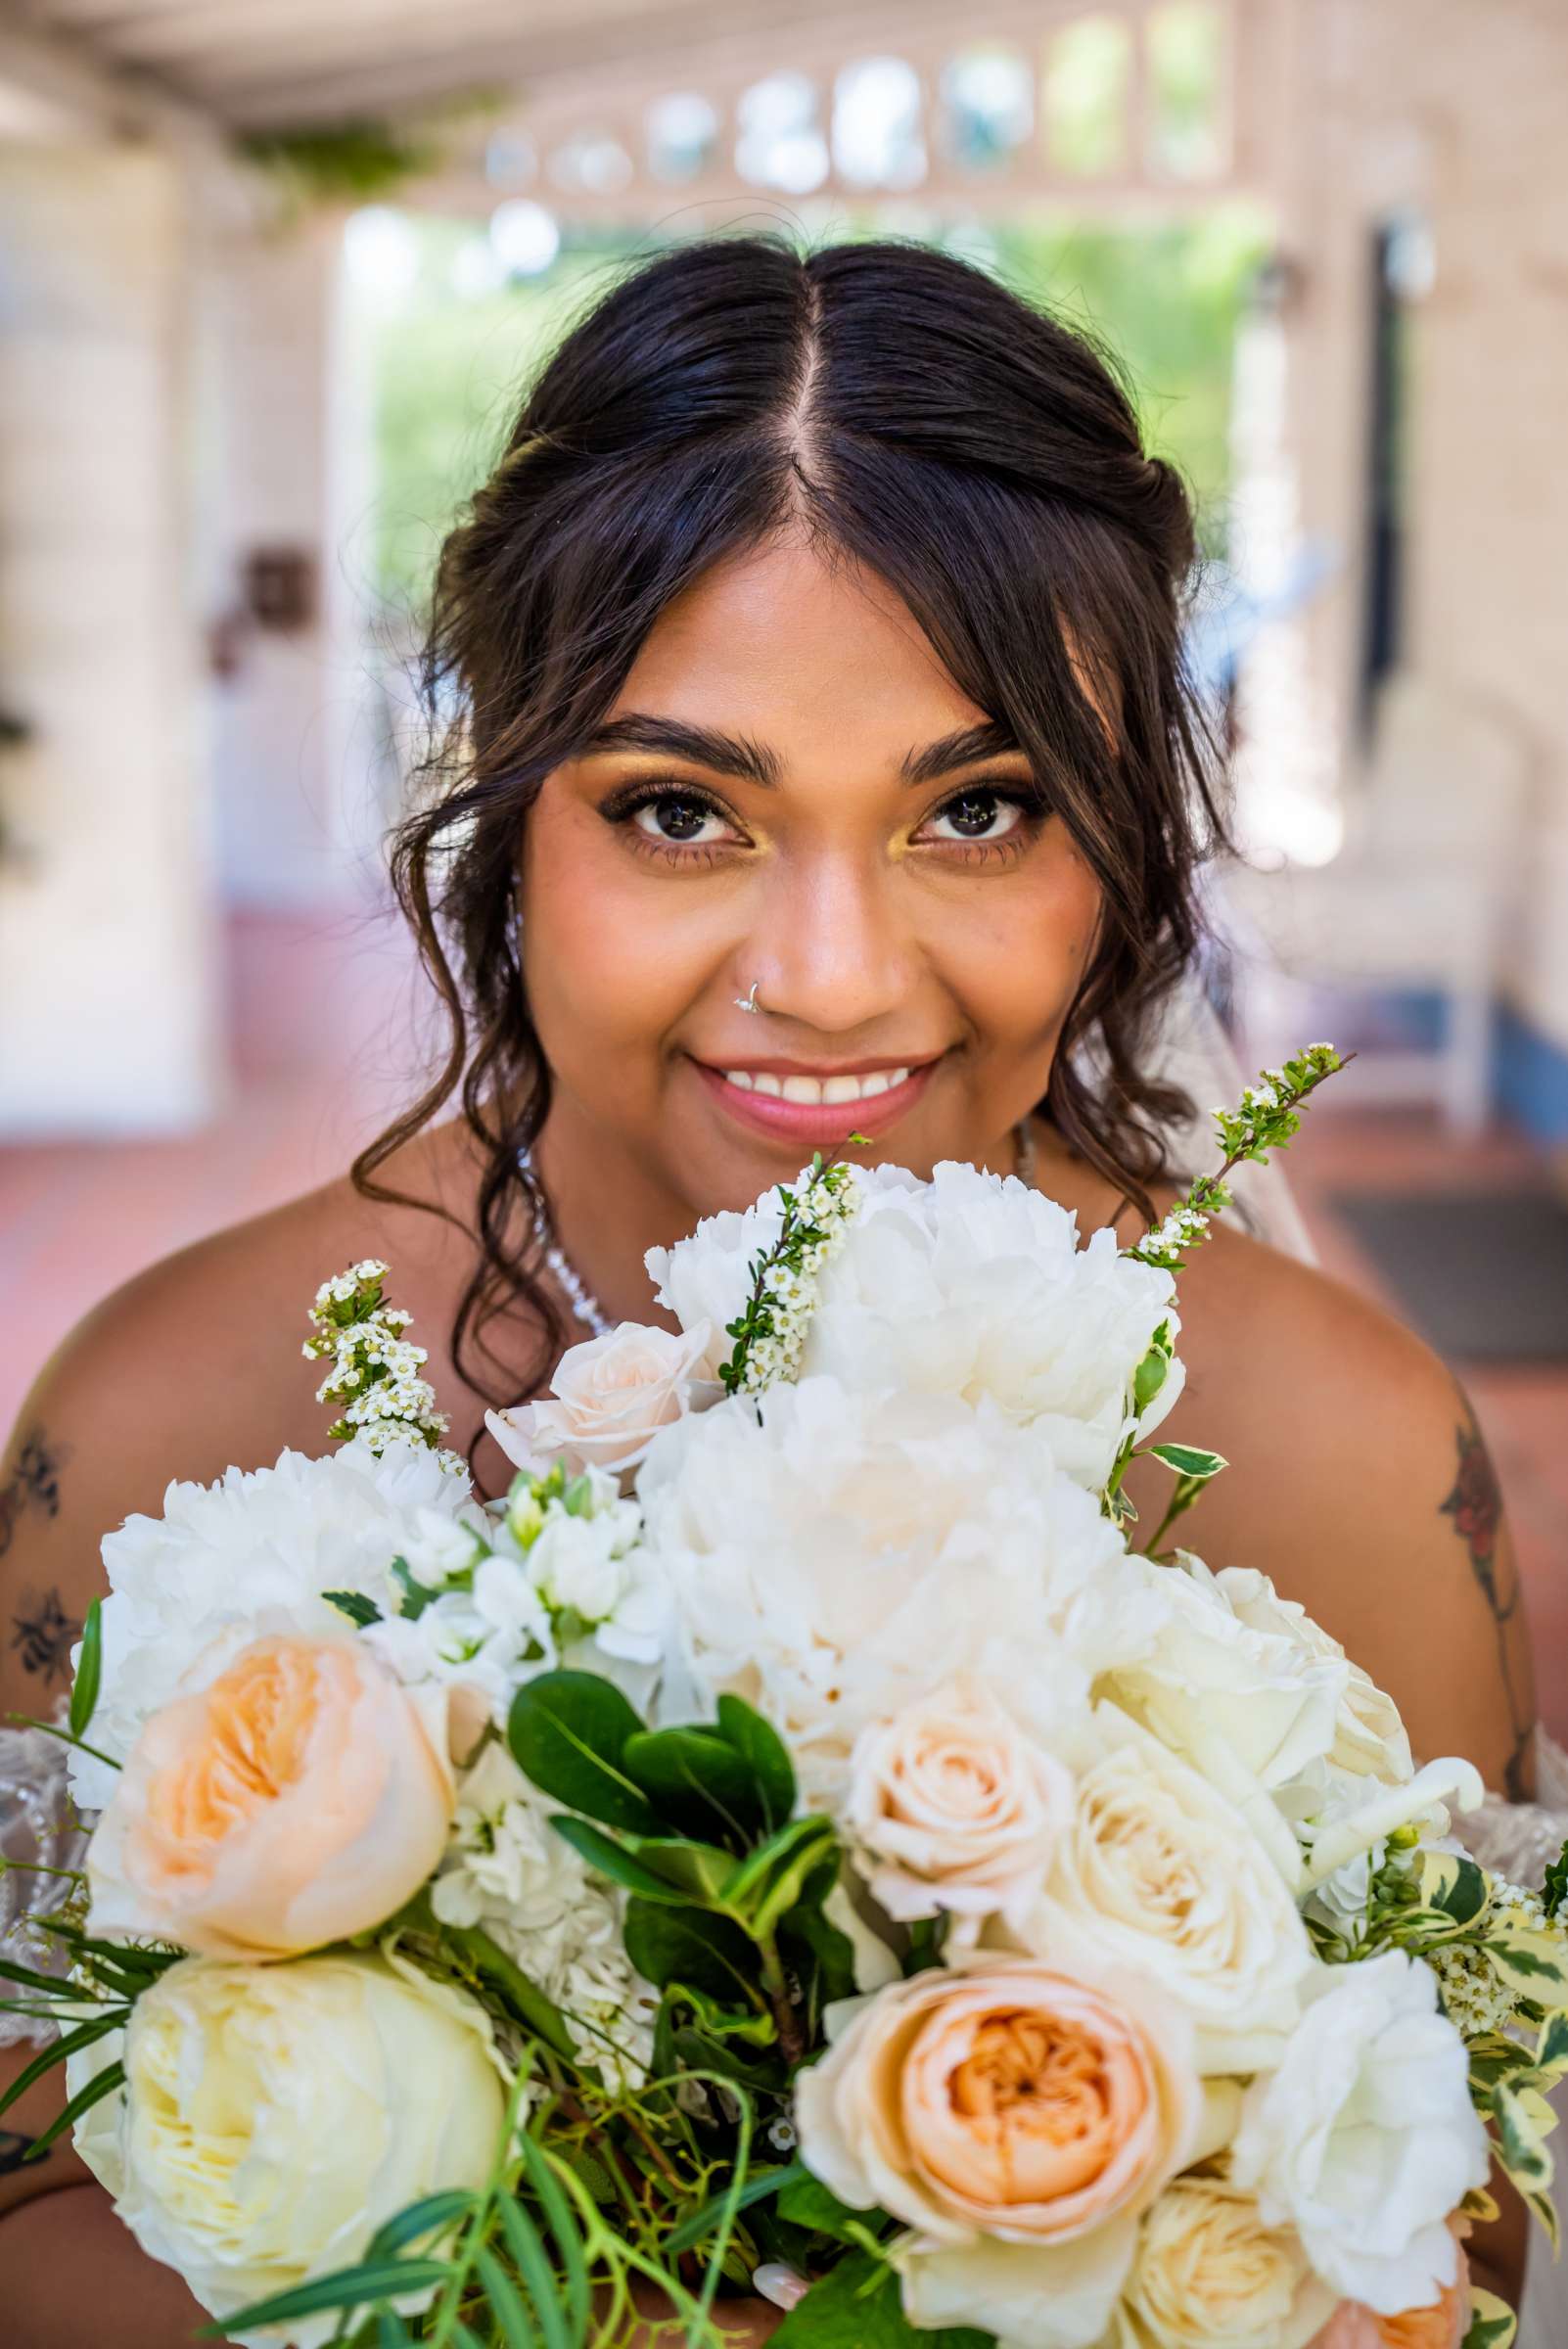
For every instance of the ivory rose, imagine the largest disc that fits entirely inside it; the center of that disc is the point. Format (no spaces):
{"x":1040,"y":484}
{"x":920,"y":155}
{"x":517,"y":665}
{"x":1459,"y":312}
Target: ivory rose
{"x":1369,"y":1736}
{"x":1161,"y":1875}
{"x":1209,"y":2275}
{"x":952,"y":1807}
{"x":609,"y":1398}
{"x":1364,"y":2138}
{"x":273,"y":2117}
{"x":1004,"y":2112}
{"x":300,"y":1797}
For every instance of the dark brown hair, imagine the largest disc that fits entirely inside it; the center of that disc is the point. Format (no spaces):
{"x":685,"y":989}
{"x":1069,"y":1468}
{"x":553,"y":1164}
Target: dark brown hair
{"x":915,"y":415}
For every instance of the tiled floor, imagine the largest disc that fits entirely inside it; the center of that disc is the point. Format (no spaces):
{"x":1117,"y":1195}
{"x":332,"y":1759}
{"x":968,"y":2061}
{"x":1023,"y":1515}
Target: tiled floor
{"x":323,"y":1014}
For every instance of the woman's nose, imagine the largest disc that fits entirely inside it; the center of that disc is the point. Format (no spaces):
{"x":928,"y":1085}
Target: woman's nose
{"x":836,"y":953}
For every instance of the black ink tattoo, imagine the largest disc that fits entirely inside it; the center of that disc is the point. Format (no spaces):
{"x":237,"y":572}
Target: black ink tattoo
{"x":34,"y":1484}
{"x":14,"y":2150}
{"x":43,"y":1635}
{"x":1475,"y":1506}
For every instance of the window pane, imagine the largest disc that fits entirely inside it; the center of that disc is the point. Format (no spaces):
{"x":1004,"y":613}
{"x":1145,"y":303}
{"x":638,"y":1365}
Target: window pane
{"x":780,"y":143}
{"x":878,"y":136}
{"x":1085,"y":97}
{"x":987,"y":98}
{"x":1185,"y":50}
{"x":683,"y":135}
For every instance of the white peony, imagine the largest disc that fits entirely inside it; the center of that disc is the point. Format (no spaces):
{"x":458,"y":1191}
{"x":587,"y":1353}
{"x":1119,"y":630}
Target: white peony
{"x":1364,"y":2138}
{"x":507,"y":1869}
{"x":275,"y":2116}
{"x":1159,"y":1875}
{"x":260,"y":1546}
{"x":838,"y":1556}
{"x":968,"y":1285}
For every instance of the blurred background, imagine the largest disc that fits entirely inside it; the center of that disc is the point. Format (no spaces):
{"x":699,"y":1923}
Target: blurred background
{"x":271,"y":274}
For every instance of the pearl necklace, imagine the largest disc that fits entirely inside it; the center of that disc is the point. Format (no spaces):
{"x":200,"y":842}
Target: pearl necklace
{"x":581,"y":1299}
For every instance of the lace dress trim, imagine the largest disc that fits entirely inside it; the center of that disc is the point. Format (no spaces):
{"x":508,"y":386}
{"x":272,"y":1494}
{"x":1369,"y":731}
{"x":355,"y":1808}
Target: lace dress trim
{"x":40,"y":1828}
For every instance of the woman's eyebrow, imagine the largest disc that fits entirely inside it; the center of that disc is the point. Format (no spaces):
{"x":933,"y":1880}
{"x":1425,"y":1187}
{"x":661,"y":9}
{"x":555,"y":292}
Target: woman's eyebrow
{"x":964,"y":749}
{"x":704,"y":745}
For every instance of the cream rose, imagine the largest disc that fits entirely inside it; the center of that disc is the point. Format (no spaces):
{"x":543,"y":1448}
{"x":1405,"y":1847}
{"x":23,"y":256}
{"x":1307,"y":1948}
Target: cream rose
{"x":1209,"y":2275}
{"x":273,"y":2117}
{"x":952,"y":1807}
{"x":303,"y":1796}
{"x":1004,"y":2111}
{"x":609,"y":1398}
{"x":1160,"y":1873}
{"x":1369,"y":1736}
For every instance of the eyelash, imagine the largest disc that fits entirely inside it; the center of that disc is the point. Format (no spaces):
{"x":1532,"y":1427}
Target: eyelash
{"x":620,"y":807}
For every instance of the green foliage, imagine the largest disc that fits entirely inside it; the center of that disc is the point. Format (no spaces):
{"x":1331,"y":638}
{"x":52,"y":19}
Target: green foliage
{"x":812,"y":1216}
{"x":1492,"y":2323}
{"x":89,"y":1672}
{"x":1554,"y":1890}
{"x":858,"y":2305}
{"x":360,"y":1611}
{"x":569,"y":1733}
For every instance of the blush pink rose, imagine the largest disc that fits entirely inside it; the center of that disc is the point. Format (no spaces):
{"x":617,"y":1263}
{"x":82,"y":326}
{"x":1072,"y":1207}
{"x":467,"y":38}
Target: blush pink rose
{"x":609,"y":1398}
{"x":304,"y":1796}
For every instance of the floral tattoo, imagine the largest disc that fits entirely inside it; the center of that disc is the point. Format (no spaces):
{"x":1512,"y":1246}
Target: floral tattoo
{"x":1475,"y":1506}
{"x":34,"y":1484}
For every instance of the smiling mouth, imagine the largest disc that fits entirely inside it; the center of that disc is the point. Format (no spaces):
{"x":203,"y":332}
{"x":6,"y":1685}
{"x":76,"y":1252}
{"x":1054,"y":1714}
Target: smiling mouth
{"x":799,"y":1105}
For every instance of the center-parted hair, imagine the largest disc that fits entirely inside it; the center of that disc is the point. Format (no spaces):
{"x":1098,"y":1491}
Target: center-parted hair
{"x":905,"y":410}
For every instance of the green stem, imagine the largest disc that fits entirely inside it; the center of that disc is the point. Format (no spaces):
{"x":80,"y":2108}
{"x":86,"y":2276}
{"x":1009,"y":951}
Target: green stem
{"x":791,"y":2039}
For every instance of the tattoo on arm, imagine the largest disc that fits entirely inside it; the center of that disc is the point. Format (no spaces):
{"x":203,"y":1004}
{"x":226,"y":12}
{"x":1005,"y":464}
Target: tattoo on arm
{"x":34,"y":1484}
{"x":1475,"y":1506}
{"x":14,"y":2150}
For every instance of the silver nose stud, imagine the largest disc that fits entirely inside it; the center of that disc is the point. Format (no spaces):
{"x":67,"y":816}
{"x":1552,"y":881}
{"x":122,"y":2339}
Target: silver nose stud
{"x":749,"y":1002}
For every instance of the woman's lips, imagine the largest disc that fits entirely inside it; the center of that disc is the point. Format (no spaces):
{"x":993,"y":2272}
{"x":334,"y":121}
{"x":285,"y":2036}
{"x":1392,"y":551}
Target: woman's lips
{"x":816,"y":1123}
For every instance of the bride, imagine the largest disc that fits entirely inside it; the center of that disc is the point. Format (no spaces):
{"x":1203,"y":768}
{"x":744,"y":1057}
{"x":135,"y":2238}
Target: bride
{"x":823,"y":770}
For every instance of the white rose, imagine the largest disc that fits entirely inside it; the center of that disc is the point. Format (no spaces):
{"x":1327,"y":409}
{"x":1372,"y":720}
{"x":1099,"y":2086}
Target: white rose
{"x":258,"y":1547}
{"x":1209,"y":2275}
{"x":1369,"y":1736}
{"x":1253,"y":1711}
{"x":952,"y":1807}
{"x":1364,"y":2138}
{"x":608,"y":1399}
{"x":843,"y":1553}
{"x":1161,"y":1875}
{"x":273,"y":2117}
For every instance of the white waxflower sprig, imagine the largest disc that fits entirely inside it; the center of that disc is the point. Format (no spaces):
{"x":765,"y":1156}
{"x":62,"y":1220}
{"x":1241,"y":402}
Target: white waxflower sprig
{"x":1267,"y":1118}
{"x":769,"y":1332}
{"x":377,"y":1374}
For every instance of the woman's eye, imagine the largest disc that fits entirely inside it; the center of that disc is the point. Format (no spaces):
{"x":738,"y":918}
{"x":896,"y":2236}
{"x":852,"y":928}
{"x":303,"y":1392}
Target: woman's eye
{"x":976,"y":815}
{"x":679,"y":821}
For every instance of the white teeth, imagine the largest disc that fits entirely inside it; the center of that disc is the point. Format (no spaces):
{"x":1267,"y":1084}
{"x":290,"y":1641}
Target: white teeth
{"x":830,"y":1091}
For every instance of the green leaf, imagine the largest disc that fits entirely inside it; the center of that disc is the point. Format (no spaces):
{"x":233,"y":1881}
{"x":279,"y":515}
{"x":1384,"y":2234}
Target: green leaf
{"x":808,"y":2203}
{"x":391,"y":2330}
{"x":89,"y":1672}
{"x":1552,"y":2047}
{"x":102,"y":2084}
{"x":347,"y":2287}
{"x":1519,"y":2147}
{"x":696,"y":1782}
{"x":616,"y":1860}
{"x":691,"y":1945}
{"x":765,"y":1754}
{"x":1153,"y":1371}
{"x":1545,"y":2211}
{"x":354,"y":1604}
{"x":527,"y":2002}
{"x":426,"y":2217}
{"x":526,"y":2247}
{"x":760,"y":2186}
{"x":1492,"y":2323}
{"x":56,"y":2053}
{"x":659,"y":1868}
{"x":505,"y":2301}
{"x":821,"y":1955}
{"x":1452,"y":1885}
{"x":51,"y":1986}
{"x":695,"y":2050}
{"x":757,"y":2028}
{"x":1188,"y":1461}
{"x":857,"y":2305}
{"x":569,"y":1731}
{"x":1529,"y":1962}
{"x":562,"y":2221}
{"x":417,"y":1596}
{"x":800,"y":1861}
{"x":1554,"y":1888}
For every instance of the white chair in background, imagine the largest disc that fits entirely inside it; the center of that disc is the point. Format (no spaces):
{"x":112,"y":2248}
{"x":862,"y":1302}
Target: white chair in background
{"x":1415,"y":903}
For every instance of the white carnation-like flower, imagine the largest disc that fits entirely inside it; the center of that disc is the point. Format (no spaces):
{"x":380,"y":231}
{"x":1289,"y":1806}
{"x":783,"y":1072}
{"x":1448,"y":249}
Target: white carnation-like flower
{"x":258,"y":1549}
{"x":968,"y":1285}
{"x":507,"y":1869}
{"x":839,"y":1555}
{"x":1364,"y":2139}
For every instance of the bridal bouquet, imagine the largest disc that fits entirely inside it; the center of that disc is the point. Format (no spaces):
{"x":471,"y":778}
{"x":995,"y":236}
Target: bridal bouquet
{"x":798,"y":1840}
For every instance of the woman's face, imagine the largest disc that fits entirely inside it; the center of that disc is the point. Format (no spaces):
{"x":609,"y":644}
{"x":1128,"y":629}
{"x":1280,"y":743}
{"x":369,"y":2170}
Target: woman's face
{"x":790,"y":789}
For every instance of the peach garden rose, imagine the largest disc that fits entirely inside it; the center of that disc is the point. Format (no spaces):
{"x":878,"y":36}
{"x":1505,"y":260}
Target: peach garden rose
{"x":1016,"y":2119}
{"x":303,"y":1796}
